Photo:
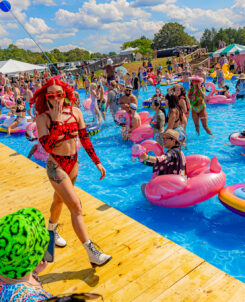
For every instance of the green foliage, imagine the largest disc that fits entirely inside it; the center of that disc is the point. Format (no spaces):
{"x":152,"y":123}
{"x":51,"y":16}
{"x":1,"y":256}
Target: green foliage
{"x":210,"y":38}
{"x":171,"y":35}
{"x":142,"y":43}
{"x":55,"y":55}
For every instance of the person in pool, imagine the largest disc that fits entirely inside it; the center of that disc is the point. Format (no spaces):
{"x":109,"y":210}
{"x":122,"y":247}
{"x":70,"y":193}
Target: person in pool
{"x":197,"y":95}
{"x":20,"y":110}
{"x":110,"y":70}
{"x":240,"y":87}
{"x":180,"y":92}
{"x":59,"y":124}
{"x":158,"y":120}
{"x":128,"y":98}
{"x":173,"y":162}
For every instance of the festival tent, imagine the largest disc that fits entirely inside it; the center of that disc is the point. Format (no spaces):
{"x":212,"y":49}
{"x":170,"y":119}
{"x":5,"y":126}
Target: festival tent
{"x":234,"y":49}
{"x":11,"y":67}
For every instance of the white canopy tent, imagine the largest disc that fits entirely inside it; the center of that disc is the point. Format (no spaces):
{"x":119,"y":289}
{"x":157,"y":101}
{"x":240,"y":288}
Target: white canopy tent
{"x":12,"y":67}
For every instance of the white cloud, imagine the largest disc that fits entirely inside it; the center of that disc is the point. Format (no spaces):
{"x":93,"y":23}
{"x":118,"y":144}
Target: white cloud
{"x":45,"y":2}
{"x":68,"y":47}
{"x":197,"y":19}
{"x":133,"y":29}
{"x":240,"y":4}
{"x":93,"y":15}
{"x":12,"y":25}
{"x":5,"y":42}
{"x":57,"y":33}
{"x":3,"y":32}
{"x":45,"y":41}
{"x":36,"y":26}
{"x":25,"y":43}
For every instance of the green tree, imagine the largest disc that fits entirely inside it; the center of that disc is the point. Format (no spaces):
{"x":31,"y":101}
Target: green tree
{"x":171,"y":35}
{"x":207,"y":39}
{"x":143,"y":42}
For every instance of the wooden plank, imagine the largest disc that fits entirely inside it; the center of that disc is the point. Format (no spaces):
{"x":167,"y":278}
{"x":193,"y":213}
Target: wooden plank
{"x":145,"y":265}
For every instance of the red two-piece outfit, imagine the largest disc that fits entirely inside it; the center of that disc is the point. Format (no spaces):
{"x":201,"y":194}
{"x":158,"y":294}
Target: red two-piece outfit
{"x":67,"y":162}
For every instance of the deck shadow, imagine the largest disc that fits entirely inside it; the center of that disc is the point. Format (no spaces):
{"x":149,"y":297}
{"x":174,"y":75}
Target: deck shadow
{"x":86,"y":275}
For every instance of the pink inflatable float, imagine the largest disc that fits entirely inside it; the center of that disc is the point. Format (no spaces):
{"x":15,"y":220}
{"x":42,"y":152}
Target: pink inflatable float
{"x":143,"y":132}
{"x":202,"y":183}
{"x":218,"y":99}
{"x":237,"y":139}
{"x":87,"y":103}
{"x":146,"y":147}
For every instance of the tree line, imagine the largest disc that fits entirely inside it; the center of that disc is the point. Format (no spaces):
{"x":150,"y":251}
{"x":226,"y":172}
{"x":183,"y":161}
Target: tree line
{"x":171,"y":34}
{"x":55,"y":55}
{"x":210,"y":37}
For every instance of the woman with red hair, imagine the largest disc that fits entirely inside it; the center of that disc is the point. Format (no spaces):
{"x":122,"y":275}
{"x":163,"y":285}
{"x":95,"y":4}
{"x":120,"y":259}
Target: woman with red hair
{"x":59,"y":124}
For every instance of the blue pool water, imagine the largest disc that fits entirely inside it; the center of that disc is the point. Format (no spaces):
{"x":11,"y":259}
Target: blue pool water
{"x":207,"y":229}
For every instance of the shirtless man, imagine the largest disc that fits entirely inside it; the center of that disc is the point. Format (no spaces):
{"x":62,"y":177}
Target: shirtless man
{"x":128,"y":98}
{"x":135,"y":121}
{"x":110,"y":69}
{"x":27,"y":93}
{"x":135,"y":118}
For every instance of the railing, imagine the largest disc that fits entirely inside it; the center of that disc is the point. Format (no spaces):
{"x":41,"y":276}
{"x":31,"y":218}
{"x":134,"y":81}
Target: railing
{"x":198,"y":51}
{"x":200,"y":63}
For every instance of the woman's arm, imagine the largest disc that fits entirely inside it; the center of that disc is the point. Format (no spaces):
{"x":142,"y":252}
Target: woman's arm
{"x":183,"y":105}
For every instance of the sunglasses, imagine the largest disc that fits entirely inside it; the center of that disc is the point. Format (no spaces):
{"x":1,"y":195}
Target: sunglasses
{"x":52,"y":96}
{"x":128,"y":90}
{"x":166,"y":138}
{"x":76,"y":297}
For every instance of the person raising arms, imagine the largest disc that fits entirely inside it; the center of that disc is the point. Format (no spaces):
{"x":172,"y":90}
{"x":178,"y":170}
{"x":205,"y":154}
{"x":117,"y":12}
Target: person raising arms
{"x":59,"y":125}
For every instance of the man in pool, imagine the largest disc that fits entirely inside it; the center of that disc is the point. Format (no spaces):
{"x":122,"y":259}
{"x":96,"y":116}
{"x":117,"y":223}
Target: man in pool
{"x":128,"y":98}
{"x":110,"y":69}
{"x":173,"y":162}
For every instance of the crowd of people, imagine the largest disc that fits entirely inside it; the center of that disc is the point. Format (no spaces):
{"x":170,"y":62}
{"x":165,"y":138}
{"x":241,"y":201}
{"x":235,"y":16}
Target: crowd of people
{"x":55,"y":106}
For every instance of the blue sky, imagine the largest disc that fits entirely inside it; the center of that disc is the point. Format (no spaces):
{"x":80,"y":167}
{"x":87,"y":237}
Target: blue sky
{"x":103,"y":25}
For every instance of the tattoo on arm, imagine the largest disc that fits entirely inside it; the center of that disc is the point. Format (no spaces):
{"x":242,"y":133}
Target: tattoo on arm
{"x":55,"y":173}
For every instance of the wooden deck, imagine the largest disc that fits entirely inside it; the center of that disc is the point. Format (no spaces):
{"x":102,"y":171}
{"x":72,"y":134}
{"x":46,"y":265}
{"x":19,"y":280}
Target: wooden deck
{"x":145,"y":266}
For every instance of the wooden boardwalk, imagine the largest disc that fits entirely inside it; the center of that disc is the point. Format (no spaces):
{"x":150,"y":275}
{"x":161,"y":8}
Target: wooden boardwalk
{"x":145,"y":266}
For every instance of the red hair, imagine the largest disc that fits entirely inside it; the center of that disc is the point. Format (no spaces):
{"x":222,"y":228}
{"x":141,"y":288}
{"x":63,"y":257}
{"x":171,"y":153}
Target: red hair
{"x":39,"y":97}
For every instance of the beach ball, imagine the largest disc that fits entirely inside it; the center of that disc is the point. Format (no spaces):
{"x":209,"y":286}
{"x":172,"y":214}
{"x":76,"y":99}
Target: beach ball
{"x":5,"y":6}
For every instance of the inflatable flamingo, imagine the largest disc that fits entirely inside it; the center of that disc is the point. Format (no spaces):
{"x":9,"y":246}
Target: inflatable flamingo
{"x":143,"y":132}
{"x":218,"y":99}
{"x":202,"y":183}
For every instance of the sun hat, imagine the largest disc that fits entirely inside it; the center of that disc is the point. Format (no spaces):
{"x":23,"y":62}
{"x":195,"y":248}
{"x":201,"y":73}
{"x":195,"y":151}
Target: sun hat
{"x":242,"y":76}
{"x":196,"y":78}
{"x":23,"y":242}
{"x":133,"y":106}
{"x":129,"y":87}
{"x":173,"y":134}
{"x":109,"y":61}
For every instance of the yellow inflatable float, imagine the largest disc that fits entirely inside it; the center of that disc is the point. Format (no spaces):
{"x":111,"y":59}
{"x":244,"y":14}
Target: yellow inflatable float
{"x":227,"y":74}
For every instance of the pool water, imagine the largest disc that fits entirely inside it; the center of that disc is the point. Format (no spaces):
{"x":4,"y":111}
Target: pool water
{"x":207,"y":229}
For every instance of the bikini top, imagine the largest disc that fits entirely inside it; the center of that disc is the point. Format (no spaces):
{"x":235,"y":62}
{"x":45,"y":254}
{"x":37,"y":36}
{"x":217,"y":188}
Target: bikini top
{"x":197,"y":95}
{"x":18,"y":110}
{"x":67,"y":129}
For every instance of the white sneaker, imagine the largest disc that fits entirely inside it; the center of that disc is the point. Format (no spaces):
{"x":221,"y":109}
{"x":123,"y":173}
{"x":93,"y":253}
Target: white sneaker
{"x":95,"y":256}
{"x":59,"y":241}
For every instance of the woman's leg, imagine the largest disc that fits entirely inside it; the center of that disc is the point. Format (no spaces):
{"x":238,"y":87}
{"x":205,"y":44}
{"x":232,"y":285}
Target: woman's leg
{"x":12,"y":126}
{"x":63,"y":187}
{"x":195,"y":118}
{"x":204,"y":119}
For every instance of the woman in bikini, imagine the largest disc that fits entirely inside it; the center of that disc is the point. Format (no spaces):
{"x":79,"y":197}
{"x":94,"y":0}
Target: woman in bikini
{"x":176,"y":117}
{"x":196,"y":95}
{"x":180,"y":92}
{"x":20,"y":110}
{"x":59,"y":126}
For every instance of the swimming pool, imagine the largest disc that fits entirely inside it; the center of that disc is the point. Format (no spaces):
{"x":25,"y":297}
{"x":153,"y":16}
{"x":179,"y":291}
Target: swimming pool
{"x":207,"y":229}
